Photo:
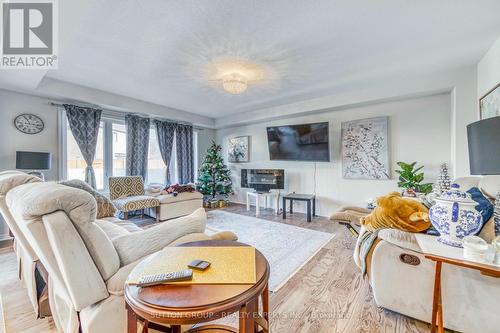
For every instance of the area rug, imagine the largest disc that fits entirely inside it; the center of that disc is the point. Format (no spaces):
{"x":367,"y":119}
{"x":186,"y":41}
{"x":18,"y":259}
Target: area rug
{"x":286,"y":247}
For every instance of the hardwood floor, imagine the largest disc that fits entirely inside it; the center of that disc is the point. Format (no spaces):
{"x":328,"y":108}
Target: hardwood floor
{"x":327,"y":295}
{"x":18,"y":312}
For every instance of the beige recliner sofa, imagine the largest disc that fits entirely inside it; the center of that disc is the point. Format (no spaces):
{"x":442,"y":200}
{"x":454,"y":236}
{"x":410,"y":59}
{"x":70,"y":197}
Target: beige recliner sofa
{"x":88,"y":260}
{"x":30,"y":271}
{"x":402,"y":278}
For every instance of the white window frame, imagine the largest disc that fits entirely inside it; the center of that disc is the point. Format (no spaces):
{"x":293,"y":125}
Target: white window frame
{"x":110,"y":118}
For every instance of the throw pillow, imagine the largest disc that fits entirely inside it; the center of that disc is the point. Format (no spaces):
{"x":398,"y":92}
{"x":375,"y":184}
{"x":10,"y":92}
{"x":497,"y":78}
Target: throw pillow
{"x":177,"y":188}
{"x":394,"y":211}
{"x":105,"y":207}
{"x":484,"y":206}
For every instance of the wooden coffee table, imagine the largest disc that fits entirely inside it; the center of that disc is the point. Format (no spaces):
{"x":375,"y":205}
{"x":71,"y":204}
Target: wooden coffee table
{"x":176,"y":305}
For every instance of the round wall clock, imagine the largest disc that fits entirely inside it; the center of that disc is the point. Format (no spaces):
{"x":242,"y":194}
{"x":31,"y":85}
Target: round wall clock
{"x":29,"y":123}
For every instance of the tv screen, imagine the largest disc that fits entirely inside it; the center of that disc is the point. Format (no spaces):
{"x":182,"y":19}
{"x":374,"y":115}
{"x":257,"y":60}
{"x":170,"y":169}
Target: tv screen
{"x":308,"y":142}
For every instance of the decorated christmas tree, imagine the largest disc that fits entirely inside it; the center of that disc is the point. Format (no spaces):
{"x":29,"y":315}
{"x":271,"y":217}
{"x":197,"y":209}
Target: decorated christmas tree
{"x":443,"y":182}
{"x":496,"y":215}
{"x":214,"y":176}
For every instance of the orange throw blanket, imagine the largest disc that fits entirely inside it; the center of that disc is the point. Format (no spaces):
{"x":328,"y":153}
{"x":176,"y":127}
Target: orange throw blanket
{"x":394,"y":211}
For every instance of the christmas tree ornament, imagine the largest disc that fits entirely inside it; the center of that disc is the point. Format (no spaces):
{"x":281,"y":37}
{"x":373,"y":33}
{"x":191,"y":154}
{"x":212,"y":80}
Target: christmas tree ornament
{"x":443,"y":183}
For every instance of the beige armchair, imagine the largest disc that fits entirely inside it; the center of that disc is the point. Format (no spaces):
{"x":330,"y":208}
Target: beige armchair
{"x":402,"y":278}
{"x":127,"y":194}
{"x":88,"y":260}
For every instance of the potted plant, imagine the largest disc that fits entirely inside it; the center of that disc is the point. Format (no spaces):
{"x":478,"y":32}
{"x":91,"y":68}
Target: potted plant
{"x":410,"y":179}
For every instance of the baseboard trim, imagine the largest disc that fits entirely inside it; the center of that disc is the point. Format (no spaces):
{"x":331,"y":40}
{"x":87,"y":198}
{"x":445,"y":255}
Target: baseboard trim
{"x":6,"y":242}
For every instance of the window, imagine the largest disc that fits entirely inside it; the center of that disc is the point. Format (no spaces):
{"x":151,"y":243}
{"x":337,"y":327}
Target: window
{"x":156,"y":166}
{"x":75,"y":162}
{"x":111,"y":150}
{"x":119,"y":148}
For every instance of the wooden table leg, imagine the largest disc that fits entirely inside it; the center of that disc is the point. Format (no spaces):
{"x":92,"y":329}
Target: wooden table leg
{"x":145,"y":328}
{"x":242,"y":321}
{"x":131,"y":321}
{"x":265,"y":307}
{"x":437,"y":311}
{"x":440,"y":315}
{"x":175,"y":328}
{"x":247,"y":317}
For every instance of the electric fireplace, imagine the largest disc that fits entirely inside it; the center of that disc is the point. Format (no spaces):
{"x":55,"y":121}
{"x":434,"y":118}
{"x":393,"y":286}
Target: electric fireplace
{"x":263,"y":180}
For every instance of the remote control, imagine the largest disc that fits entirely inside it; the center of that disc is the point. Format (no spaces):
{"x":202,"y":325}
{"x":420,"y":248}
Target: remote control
{"x":153,"y":280}
{"x":199,"y":264}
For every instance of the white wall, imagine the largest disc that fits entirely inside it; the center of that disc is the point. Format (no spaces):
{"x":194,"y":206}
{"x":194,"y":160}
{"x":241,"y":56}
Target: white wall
{"x":488,"y":70}
{"x":420,"y":130}
{"x":460,"y":82}
{"x":205,"y":138}
{"x":11,"y":140}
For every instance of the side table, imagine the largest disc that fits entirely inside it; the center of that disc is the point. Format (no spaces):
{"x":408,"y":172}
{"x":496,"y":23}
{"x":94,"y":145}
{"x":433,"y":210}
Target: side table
{"x":265,"y":195}
{"x":176,"y":305}
{"x":444,"y":254}
{"x":309,"y":198}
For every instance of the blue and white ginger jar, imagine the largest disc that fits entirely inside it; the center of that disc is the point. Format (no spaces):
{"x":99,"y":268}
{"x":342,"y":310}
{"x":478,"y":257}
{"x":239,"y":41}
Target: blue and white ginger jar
{"x":454,"y":215}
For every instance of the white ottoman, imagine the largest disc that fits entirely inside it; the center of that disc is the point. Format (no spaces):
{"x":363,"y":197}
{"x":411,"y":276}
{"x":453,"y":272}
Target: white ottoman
{"x":175,"y":206}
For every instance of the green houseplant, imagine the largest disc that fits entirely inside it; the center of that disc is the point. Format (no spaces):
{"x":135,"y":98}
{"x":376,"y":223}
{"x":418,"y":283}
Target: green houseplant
{"x":411,"y":179}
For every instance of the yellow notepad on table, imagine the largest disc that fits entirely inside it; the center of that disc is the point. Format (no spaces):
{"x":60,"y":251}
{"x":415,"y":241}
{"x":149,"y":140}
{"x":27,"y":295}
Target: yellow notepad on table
{"x":229,"y":265}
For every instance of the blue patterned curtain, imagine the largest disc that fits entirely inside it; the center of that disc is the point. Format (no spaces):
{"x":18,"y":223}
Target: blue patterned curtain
{"x":165,"y":132}
{"x":137,"y":145}
{"x":84,"y":124}
{"x":185,"y":159}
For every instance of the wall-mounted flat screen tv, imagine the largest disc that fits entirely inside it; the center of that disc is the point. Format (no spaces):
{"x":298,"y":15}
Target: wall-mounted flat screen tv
{"x":308,"y":142}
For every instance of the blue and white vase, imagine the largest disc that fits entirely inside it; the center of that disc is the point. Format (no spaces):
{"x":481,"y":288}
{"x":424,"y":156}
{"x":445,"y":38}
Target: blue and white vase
{"x":454,"y":215}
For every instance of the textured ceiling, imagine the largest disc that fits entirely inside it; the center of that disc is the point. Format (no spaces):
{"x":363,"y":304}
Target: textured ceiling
{"x":164,"y":51}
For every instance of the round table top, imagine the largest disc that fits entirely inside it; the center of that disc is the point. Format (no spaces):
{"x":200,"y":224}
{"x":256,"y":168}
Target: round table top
{"x":186,"y":304}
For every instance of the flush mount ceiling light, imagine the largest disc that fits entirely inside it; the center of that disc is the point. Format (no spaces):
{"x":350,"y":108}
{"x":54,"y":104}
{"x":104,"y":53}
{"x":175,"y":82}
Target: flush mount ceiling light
{"x":234,"y":83}
{"x":235,"y":75}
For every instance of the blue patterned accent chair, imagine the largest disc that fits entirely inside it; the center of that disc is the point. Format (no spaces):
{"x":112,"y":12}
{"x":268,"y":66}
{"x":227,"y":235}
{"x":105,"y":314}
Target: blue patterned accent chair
{"x":127,"y":194}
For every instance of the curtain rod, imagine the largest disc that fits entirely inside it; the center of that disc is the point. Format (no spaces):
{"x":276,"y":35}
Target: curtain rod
{"x":124,"y":113}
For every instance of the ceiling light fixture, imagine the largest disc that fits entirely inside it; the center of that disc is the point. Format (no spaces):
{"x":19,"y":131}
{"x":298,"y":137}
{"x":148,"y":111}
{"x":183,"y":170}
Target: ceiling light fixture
{"x":235,"y":83}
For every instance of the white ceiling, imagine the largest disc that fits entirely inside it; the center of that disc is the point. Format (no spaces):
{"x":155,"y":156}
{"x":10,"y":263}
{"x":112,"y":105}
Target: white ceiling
{"x":158,"y":50}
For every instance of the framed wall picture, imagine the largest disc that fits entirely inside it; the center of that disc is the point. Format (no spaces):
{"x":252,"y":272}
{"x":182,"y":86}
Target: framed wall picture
{"x":365,"y":149}
{"x":489,"y":104}
{"x":238,"y":149}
